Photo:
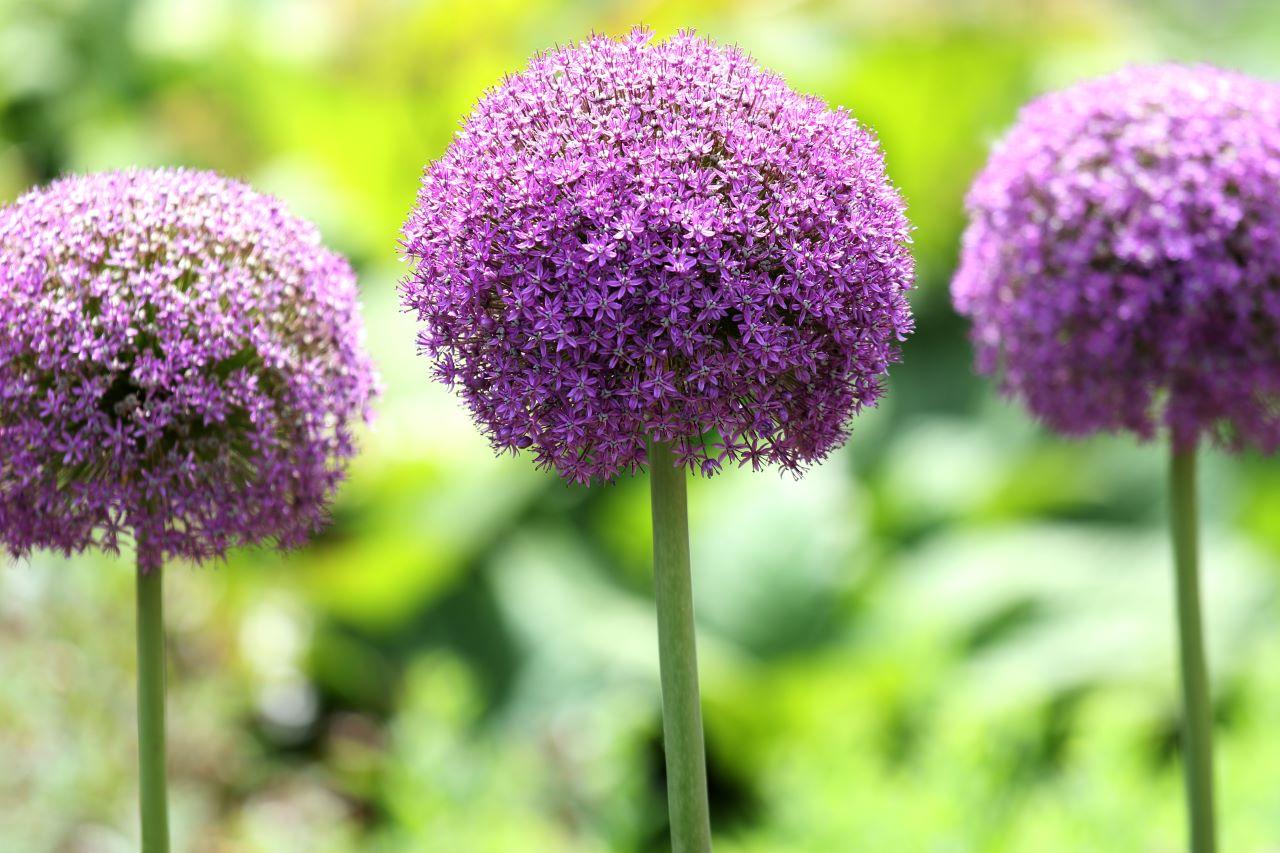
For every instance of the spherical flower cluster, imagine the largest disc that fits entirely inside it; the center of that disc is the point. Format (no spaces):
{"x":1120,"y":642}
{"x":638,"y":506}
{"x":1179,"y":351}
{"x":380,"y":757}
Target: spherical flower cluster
{"x":1122,"y":265}
{"x":635,"y":240}
{"x":181,"y":360}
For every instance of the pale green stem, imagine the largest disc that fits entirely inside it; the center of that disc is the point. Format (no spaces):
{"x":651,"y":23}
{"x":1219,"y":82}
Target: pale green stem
{"x":1197,"y":713}
{"x":151,"y":690}
{"x":678,"y":656}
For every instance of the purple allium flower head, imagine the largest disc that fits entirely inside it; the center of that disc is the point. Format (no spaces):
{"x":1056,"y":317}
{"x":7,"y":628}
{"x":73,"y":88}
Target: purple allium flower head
{"x":634,"y":239}
{"x":180,"y":360}
{"x":1122,"y":265}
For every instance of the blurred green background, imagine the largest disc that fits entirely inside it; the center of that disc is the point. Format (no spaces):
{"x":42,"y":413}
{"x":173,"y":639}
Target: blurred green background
{"x":955,"y":636}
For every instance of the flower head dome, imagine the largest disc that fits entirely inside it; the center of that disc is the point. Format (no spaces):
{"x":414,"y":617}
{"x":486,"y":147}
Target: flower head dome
{"x":1122,"y":265}
{"x":180,"y":359}
{"x":634,"y":239}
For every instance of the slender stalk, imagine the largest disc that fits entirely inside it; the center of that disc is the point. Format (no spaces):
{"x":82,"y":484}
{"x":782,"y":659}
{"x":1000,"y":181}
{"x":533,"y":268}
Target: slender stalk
{"x":1197,"y":719}
{"x":690,"y":816}
{"x":151,"y":688}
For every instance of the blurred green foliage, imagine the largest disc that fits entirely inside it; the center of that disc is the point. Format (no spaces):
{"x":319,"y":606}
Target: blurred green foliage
{"x":954,"y":636}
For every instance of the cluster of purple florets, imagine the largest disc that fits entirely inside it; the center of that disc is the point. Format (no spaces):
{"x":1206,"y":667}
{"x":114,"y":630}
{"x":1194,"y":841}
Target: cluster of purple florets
{"x":636,"y":240}
{"x":180,"y":360}
{"x":1122,"y":267}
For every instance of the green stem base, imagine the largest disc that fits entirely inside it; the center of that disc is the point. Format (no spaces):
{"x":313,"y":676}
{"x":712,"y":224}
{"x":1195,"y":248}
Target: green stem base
{"x":678,"y":656}
{"x":151,"y":688}
{"x":1197,"y":713}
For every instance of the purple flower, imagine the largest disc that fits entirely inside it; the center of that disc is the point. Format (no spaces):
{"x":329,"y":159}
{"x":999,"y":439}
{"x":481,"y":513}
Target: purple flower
{"x":1122,"y":265}
{"x":634,"y":239}
{"x":180,"y":359}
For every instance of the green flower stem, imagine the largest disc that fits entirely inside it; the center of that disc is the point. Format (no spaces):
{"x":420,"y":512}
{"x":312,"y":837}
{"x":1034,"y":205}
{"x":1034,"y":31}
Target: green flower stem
{"x":1197,"y":720}
{"x":151,"y":750}
{"x":678,"y":656}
